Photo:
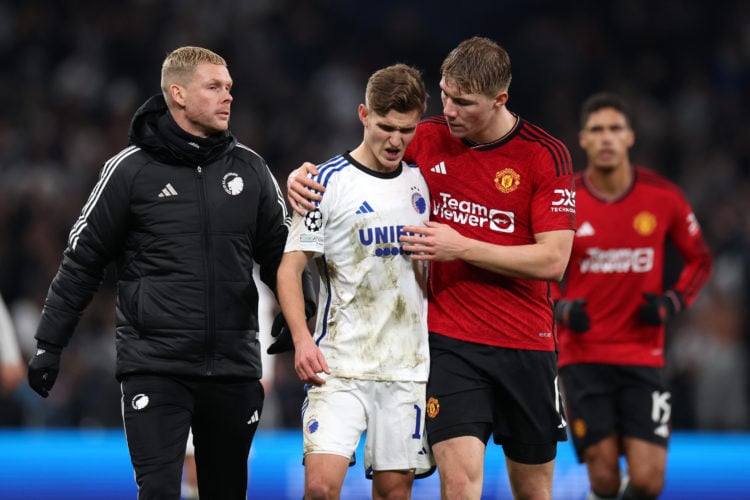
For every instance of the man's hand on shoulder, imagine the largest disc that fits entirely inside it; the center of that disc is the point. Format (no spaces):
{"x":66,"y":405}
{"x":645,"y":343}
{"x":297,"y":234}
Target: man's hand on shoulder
{"x":302,"y":190}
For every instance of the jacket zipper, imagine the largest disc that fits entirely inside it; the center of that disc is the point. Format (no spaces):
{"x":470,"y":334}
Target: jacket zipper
{"x":208,"y":264}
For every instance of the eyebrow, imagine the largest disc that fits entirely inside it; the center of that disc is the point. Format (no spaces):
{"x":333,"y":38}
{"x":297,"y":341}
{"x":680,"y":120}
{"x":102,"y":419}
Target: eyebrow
{"x":217,"y":81}
{"x":603,"y":126}
{"x":394,"y":127}
{"x":459,"y":97}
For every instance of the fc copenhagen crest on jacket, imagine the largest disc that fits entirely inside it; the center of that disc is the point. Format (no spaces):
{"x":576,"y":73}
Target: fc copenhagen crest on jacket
{"x":232,"y":183}
{"x":507,"y":180}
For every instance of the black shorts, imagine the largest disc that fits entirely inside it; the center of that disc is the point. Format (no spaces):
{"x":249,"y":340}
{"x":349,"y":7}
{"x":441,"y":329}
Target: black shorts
{"x":478,"y":390}
{"x":602,"y":400}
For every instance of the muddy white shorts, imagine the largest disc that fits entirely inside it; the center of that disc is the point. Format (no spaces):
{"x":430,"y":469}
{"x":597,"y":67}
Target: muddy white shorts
{"x":391,"y":414}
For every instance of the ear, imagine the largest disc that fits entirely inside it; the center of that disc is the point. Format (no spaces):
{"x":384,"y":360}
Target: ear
{"x":177,"y":92}
{"x":362,"y":112}
{"x":631,"y":138}
{"x":501,"y":99}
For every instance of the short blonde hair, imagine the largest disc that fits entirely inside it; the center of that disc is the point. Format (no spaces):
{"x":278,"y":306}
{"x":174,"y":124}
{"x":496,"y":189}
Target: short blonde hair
{"x":478,"y":65}
{"x":179,"y":65}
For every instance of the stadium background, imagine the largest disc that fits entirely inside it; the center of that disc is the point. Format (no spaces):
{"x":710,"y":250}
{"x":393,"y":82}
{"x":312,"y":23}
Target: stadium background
{"x":73,"y":72}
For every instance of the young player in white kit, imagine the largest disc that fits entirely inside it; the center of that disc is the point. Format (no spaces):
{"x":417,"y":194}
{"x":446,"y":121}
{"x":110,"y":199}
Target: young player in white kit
{"x":368,"y":361}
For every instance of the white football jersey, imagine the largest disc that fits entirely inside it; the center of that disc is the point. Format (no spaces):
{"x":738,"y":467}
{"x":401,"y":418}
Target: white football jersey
{"x":372,"y":304}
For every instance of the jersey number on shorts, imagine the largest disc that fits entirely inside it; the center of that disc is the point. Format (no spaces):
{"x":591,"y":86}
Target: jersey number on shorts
{"x":418,"y":429}
{"x":661,"y":411}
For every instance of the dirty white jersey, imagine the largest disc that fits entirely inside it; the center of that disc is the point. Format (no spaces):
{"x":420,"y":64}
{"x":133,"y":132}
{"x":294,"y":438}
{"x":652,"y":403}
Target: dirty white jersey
{"x":372,"y":304}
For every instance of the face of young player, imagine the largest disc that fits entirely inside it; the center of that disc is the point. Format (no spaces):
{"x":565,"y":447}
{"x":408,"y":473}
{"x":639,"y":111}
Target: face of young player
{"x":386,"y":137}
{"x":606,"y":138}
{"x":470,"y":116}
{"x":207,"y":100}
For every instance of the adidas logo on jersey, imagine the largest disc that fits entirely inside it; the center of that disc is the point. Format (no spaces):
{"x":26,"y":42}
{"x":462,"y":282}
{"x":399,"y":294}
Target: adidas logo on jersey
{"x":168,"y":191}
{"x":364,"y":208}
{"x":439,"y":168}
{"x":586,"y":229}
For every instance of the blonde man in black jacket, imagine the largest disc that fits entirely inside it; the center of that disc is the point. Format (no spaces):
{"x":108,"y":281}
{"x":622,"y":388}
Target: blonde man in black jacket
{"x":183,"y":212}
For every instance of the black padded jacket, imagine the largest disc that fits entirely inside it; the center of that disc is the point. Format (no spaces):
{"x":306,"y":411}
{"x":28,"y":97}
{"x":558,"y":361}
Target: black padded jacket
{"x":182,"y":218}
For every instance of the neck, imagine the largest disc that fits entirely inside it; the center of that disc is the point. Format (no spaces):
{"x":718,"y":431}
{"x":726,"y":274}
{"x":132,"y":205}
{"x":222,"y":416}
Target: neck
{"x":610,"y":182}
{"x":501,"y":125}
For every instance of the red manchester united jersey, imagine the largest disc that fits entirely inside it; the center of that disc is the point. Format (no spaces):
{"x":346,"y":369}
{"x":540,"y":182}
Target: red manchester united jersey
{"x":618,"y":255}
{"x":503,"y":193}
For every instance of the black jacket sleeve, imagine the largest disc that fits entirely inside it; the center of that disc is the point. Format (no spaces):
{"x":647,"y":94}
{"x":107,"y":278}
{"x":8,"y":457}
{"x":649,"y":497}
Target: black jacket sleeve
{"x":272,"y":228}
{"x":93,"y":242}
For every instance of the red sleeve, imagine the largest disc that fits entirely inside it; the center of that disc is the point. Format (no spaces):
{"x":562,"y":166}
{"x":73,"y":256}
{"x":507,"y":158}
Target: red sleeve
{"x":685,"y":233}
{"x":553,"y":199}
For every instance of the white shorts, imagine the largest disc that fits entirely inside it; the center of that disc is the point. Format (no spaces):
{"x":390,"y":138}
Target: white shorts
{"x":335,"y":415}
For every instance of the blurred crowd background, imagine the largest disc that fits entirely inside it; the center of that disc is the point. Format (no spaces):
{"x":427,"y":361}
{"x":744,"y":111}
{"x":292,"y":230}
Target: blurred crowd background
{"x":74,"y":71}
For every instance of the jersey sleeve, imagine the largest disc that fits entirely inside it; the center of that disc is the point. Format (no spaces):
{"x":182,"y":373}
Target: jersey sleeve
{"x":686,"y":234}
{"x":307,"y":232}
{"x":553,"y":206}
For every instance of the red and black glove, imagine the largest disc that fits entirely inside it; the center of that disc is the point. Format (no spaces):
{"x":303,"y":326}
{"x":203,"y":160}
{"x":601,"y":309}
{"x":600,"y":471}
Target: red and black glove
{"x":659,"y":309}
{"x":571,"y":313}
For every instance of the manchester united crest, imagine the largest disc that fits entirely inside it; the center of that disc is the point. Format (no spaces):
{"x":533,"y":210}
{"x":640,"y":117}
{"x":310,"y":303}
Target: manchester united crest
{"x":579,"y":428}
{"x":507,"y":180}
{"x":433,"y":407}
{"x":644,"y":223}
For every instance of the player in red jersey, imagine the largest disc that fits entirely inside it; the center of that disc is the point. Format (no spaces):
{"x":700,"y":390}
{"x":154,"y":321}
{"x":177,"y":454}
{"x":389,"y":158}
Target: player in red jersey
{"x":501,"y":228}
{"x":613,"y":306}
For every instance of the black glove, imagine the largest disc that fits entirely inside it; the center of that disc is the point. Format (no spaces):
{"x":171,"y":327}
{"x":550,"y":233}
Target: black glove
{"x":571,"y":313}
{"x":659,"y":309}
{"x":44,"y":367}
{"x":280,"y":330}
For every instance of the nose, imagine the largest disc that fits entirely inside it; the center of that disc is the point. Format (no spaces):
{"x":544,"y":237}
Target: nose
{"x":395,"y":139}
{"x":449,"y":108}
{"x":607,"y":136}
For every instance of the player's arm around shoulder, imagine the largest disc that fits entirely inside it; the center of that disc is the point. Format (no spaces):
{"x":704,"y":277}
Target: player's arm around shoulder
{"x":545,"y":259}
{"x":302,"y":190}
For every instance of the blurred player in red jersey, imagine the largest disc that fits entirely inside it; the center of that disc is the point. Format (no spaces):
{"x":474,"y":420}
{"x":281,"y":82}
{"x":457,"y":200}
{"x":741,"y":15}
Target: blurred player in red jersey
{"x":613,"y":306}
{"x":501,"y":228}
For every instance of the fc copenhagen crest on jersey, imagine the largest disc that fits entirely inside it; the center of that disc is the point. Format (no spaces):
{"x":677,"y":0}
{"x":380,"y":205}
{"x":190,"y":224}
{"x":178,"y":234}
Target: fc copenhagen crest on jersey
{"x":312,"y":425}
{"x":232,"y":183}
{"x":644,"y":223}
{"x":507,"y":180}
{"x":313,"y":220}
{"x":417,"y":200}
